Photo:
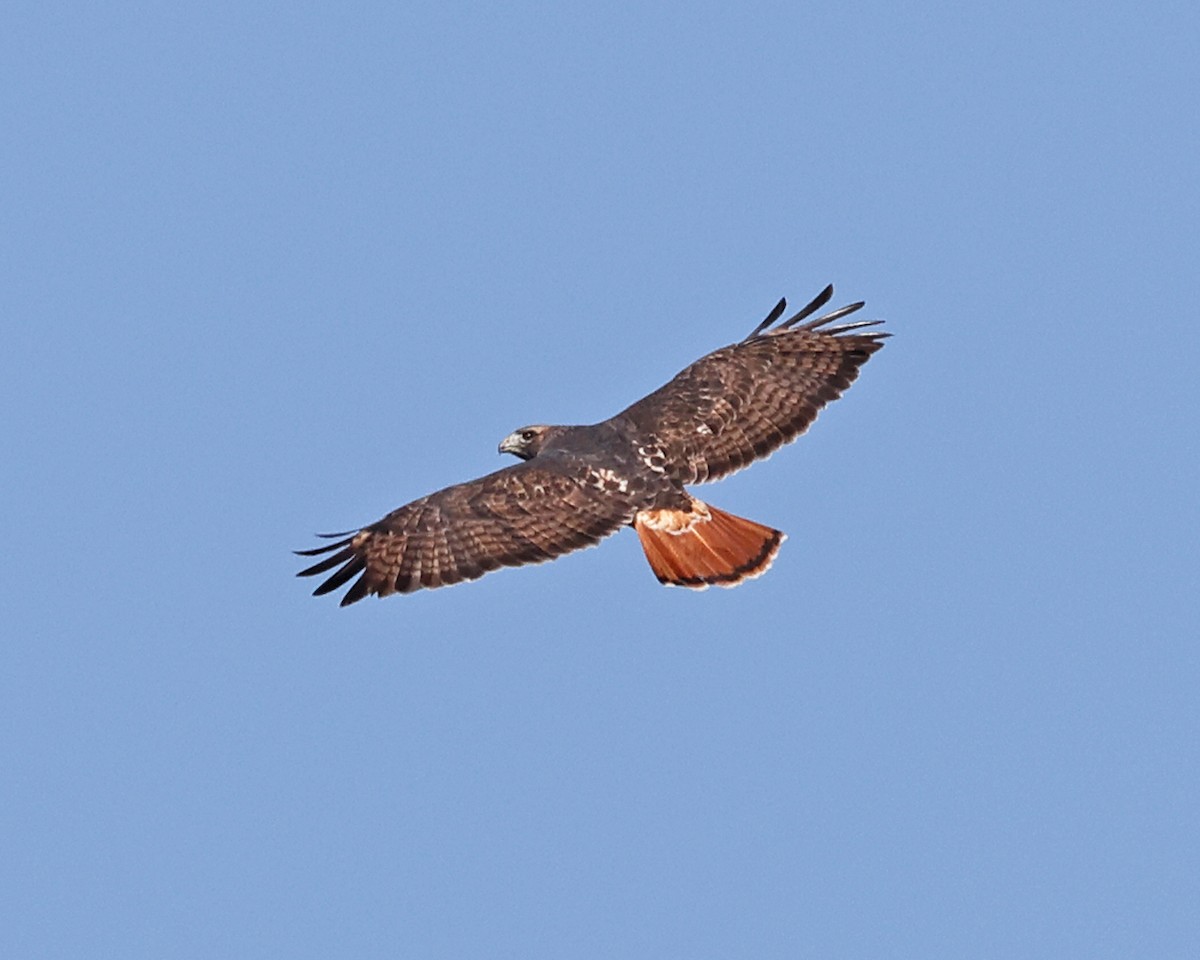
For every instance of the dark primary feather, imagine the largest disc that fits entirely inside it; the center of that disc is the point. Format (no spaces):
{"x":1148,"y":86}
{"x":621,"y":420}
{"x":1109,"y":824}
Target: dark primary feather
{"x":828,"y":318}
{"x":775,"y":314}
{"x":746,"y":400}
{"x":527,"y":513}
{"x":317,"y":551}
{"x":815,"y":304}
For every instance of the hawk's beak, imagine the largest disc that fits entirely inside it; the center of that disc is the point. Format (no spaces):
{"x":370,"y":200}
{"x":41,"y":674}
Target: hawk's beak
{"x":510,"y":444}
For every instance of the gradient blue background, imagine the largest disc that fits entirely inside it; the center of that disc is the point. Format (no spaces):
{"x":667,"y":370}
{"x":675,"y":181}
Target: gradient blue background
{"x":272,"y":269}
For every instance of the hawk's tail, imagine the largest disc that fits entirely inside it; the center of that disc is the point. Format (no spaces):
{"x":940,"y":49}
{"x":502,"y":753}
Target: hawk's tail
{"x":702,"y":546}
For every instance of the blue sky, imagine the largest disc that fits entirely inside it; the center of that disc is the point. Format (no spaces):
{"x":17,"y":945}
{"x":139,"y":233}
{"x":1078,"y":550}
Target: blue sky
{"x":271,"y":270}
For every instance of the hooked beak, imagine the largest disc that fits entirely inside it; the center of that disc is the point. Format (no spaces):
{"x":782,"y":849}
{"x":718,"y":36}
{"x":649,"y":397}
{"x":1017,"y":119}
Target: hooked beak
{"x":510,"y":444}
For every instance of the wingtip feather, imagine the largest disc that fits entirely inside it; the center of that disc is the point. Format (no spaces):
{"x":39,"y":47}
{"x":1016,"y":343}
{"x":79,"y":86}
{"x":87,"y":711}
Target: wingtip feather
{"x":804,"y":313}
{"x":775,"y":314}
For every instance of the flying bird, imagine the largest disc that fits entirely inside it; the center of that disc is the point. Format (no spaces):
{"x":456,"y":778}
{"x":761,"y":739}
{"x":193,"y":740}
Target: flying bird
{"x":576,"y":485}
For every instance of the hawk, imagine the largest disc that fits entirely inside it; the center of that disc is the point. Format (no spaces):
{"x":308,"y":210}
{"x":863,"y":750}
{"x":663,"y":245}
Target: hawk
{"x":576,"y":485}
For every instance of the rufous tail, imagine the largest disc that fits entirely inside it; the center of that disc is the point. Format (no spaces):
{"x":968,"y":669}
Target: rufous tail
{"x":704,"y":546}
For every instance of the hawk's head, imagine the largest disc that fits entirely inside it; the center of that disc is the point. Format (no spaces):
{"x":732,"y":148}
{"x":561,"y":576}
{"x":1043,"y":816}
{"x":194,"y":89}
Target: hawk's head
{"x":527,"y":442}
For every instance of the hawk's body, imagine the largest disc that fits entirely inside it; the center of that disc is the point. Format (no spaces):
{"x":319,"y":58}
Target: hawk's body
{"x":578,"y":484}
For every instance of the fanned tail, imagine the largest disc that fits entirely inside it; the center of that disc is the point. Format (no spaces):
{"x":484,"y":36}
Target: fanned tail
{"x":704,"y":546}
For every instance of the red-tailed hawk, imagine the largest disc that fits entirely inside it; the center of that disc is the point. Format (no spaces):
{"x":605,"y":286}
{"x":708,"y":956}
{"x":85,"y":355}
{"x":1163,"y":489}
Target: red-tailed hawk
{"x":578,"y":484}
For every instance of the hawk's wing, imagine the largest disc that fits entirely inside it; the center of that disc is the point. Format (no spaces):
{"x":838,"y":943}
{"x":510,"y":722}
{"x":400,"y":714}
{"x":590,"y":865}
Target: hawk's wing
{"x":744,"y":401}
{"x":526,"y":513}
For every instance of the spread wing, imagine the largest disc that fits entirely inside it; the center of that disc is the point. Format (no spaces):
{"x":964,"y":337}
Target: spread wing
{"x":526,"y":513}
{"x":744,"y":401}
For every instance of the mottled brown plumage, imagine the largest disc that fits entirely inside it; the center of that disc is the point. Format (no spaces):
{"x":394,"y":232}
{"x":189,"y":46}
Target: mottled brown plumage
{"x":578,"y":484}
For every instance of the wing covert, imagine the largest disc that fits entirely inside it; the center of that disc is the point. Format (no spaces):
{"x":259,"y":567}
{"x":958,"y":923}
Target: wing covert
{"x":526,"y":513}
{"x":744,"y":401}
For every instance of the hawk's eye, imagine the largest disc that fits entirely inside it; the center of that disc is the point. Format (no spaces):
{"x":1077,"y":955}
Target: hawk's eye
{"x":527,"y":435}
